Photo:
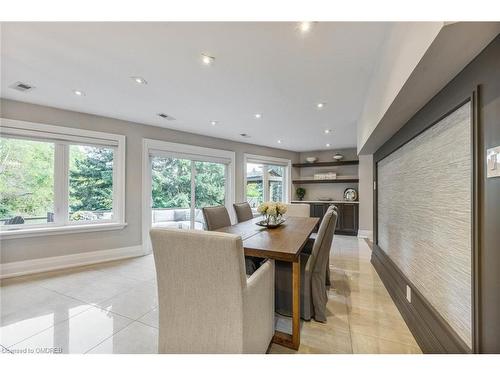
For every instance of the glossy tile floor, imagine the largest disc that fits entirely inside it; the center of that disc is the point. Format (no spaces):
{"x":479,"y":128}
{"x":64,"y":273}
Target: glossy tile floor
{"x":112,"y":308}
{"x":362,"y":316}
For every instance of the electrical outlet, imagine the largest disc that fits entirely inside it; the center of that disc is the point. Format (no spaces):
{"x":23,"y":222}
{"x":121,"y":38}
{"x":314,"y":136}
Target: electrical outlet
{"x":408,"y":293}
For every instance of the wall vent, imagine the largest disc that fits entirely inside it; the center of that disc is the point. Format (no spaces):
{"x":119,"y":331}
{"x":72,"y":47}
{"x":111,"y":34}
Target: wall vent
{"x":166,"y":117}
{"x":22,"y":86}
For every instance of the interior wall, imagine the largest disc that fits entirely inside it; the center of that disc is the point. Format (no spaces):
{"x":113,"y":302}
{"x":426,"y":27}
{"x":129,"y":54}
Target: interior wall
{"x":20,"y":249}
{"x":420,"y":225}
{"x":405,"y":46}
{"x":366,"y":196}
{"x":483,"y":74}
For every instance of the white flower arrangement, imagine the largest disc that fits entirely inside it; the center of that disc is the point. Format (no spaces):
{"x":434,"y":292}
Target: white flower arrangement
{"x":272,"y":211}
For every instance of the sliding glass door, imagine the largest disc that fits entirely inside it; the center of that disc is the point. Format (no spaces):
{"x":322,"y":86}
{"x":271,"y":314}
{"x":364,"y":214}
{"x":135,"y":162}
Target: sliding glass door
{"x":181,"y":187}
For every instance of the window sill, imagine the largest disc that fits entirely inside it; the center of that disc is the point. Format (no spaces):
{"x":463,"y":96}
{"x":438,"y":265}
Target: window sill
{"x":49,"y":231}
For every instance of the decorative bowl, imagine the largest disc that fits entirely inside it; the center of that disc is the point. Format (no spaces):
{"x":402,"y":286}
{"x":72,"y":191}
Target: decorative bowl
{"x":338,"y":156}
{"x":350,"y":194}
{"x":265,"y":223}
{"x":311,"y":159}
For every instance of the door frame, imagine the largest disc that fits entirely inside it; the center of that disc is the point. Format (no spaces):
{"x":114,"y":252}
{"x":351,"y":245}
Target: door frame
{"x":181,"y":150}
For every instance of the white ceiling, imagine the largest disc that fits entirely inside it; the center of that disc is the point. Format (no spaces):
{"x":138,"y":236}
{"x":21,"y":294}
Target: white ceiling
{"x":270,"y":68}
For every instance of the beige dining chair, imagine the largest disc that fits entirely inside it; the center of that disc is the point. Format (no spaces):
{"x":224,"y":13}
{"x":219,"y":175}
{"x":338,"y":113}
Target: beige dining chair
{"x":206,"y":302}
{"x":243,"y":211}
{"x":298,"y":210}
{"x":314,"y":268}
{"x":216,"y":217}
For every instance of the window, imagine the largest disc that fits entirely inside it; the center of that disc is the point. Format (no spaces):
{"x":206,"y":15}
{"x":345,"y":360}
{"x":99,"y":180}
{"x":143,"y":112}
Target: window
{"x":90,"y":183}
{"x":267,"y":179}
{"x":26,"y":182}
{"x":55,"y":179}
{"x":180,"y":188}
{"x":182,"y":179}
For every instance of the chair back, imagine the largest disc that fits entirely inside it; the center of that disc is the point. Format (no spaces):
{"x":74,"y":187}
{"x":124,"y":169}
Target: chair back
{"x":201,"y":280}
{"x":323,"y":242}
{"x":243,"y":211}
{"x":298,"y":210}
{"x":216,"y":217}
{"x":334,"y":208}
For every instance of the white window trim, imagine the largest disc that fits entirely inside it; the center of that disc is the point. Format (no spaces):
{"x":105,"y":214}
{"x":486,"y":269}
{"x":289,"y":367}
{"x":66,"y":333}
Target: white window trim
{"x":287,"y":163}
{"x":181,"y":150}
{"x":32,"y":130}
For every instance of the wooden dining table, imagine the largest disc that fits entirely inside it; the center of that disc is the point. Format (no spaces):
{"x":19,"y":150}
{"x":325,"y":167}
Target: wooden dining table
{"x":284,"y":243}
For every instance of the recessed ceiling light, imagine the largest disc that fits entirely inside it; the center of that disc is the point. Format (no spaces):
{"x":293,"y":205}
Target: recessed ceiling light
{"x":139,"y":80}
{"x":327,"y":131}
{"x":213,"y":122}
{"x":206,"y":59}
{"x":78,"y":93}
{"x":279,"y":140}
{"x":304,"y":27}
{"x":328,"y":145}
{"x":258,"y":115}
{"x":320,"y":105}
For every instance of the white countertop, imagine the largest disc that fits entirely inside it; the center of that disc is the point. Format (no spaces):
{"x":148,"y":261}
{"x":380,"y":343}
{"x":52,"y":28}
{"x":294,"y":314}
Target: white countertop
{"x":324,"y":201}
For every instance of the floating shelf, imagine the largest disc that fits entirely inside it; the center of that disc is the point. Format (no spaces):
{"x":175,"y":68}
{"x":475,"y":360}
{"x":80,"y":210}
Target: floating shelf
{"x":326,"y":164}
{"x":334,"y":181}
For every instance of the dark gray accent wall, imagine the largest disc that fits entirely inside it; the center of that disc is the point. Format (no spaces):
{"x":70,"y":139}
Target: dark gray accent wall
{"x":483,"y":74}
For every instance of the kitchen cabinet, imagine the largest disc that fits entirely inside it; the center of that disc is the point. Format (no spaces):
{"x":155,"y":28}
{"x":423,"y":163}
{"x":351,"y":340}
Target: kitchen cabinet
{"x":347,"y":220}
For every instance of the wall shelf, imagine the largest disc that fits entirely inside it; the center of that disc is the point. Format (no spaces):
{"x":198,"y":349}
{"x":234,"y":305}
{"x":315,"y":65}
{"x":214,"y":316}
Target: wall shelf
{"x":334,"y":181}
{"x":326,"y":164}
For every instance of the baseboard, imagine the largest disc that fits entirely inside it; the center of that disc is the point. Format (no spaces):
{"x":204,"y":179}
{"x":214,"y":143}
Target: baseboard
{"x":32,"y":266}
{"x":432,"y":333}
{"x":365,"y":234}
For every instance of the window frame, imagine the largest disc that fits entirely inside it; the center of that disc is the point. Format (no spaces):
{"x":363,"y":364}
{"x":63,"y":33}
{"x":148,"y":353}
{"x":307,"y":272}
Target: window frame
{"x":266,"y":161}
{"x":62,"y":138}
{"x":182,"y":151}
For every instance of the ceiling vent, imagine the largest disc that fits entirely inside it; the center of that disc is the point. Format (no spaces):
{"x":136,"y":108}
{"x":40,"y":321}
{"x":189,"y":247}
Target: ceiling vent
{"x":21,"y":86}
{"x":166,"y":117}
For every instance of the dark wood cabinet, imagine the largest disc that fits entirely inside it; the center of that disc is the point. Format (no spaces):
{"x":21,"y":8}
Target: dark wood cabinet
{"x":347,"y":221}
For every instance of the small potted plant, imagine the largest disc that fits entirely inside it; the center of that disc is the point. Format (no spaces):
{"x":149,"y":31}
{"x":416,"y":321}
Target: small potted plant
{"x":301,"y":192}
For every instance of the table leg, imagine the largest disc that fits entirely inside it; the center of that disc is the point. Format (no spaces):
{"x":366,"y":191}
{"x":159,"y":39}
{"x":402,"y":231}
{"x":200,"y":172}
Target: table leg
{"x":292,"y":341}
{"x":296,"y":304}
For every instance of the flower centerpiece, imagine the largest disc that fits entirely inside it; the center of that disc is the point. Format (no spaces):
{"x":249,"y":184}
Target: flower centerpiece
{"x":273,"y":212}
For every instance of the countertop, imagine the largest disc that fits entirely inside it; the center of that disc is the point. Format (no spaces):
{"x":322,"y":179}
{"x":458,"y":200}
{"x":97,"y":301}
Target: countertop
{"x":325,"y":202}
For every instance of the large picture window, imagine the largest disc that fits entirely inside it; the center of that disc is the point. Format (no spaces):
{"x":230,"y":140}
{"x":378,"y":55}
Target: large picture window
{"x":55,"y":179}
{"x":26,"y":181}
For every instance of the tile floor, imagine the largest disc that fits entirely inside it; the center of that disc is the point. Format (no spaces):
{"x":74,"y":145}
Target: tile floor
{"x":112,"y":308}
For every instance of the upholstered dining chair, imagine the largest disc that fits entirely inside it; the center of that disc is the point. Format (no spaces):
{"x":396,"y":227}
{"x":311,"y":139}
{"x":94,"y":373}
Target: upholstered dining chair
{"x":216,"y":217}
{"x":206,"y":302}
{"x":314,"y":267}
{"x":298,"y":210}
{"x":243,"y":211}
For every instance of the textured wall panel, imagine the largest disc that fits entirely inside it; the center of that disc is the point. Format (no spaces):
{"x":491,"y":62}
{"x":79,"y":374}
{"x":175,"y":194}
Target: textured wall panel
{"x":424,"y":216}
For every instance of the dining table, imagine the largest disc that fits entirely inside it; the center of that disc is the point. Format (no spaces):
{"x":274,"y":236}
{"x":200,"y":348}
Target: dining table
{"x":284,"y":243}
